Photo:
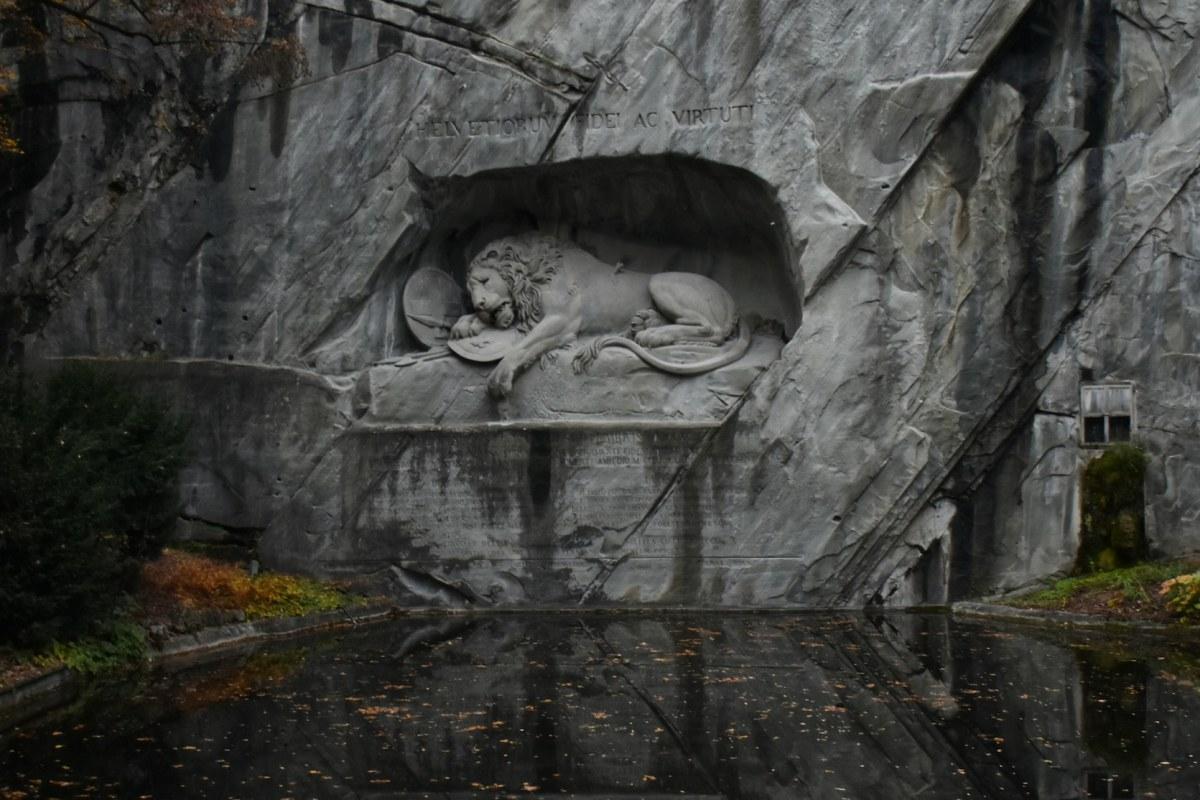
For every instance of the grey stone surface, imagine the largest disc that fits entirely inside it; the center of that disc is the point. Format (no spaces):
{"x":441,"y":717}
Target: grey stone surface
{"x":951,"y":211}
{"x":534,"y":296}
{"x":1046,"y":619}
{"x":36,"y":696}
{"x":207,"y":641}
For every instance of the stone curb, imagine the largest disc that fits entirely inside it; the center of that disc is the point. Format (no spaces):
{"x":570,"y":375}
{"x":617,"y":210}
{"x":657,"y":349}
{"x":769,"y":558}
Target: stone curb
{"x":43,"y":692}
{"x":1064,"y":619}
{"x":228,"y":636}
{"x":35,"y":695}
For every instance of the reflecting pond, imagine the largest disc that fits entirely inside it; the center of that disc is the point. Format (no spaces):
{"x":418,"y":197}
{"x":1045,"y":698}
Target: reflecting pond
{"x":622,"y":705}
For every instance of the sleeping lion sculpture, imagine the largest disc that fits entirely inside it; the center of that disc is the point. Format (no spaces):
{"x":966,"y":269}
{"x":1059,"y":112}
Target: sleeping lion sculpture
{"x":554,"y":292}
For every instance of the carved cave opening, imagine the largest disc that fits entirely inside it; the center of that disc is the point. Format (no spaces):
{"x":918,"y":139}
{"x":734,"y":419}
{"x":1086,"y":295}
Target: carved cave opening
{"x":699,"y":252}
{"x":648,"y":213}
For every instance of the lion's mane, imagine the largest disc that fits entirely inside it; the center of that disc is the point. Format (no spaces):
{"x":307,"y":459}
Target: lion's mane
{"x":525,"y":262}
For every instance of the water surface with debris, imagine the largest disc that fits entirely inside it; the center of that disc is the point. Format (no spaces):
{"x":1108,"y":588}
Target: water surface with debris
{"x":624,"y":705}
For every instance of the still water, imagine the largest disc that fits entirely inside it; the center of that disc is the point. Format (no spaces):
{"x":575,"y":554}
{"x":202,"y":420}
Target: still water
{"x":712,"y":705}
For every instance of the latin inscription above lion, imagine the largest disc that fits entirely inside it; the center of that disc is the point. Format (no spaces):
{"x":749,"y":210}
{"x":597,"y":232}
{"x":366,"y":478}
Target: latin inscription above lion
{"x":533,"y":294}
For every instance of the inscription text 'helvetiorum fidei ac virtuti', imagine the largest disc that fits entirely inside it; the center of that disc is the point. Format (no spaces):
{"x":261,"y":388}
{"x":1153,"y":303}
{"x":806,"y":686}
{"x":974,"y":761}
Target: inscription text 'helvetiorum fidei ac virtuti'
{"x":532,"y":124}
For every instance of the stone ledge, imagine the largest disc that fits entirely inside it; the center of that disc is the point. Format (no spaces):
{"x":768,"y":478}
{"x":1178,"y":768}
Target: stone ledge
{"x":35,"y":695}
{"x":435,"y":393}
{"x":228,"y":636}
{"x":1064,"y":619}
{"x":44,"y":692}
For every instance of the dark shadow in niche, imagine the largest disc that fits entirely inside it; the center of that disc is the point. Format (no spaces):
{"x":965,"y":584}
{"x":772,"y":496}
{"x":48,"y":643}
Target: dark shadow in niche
{"x":648,"y":213}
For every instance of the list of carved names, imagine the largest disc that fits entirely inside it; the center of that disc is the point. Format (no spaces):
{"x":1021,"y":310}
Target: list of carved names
{"x":480,"y":507}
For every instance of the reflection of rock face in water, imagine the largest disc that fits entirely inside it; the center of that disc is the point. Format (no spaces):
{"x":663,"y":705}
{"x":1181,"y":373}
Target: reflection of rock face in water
{"x":736,"y":706}
{"x":1114,"y":709}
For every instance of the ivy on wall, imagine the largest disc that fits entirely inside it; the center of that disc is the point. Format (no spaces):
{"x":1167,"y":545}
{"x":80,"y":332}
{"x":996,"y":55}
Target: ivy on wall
{"x":1113,"y":532}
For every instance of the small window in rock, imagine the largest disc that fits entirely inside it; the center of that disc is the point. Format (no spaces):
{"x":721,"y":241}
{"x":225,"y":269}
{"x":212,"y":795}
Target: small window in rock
{"x":1118,"y":429}
{"x":1107,"y":412}
{"x":1093,"y":430}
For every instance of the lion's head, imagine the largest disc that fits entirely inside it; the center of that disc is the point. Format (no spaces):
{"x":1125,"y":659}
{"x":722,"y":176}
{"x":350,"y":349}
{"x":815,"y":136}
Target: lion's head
{"x":505,"y":279}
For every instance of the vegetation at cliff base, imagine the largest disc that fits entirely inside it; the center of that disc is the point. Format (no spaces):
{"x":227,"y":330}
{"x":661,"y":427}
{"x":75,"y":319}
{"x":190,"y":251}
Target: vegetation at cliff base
{"x":115,"y":644}
{"x":1112,"y":533}
{"x":1182,"y":596}
{"x":180,"y":582}
{"x":88,"y":491}
{"x":176,"y":593}
{"x":1159,"y":592}
{"x":1111,"y":578}
{"x":89,"y":494}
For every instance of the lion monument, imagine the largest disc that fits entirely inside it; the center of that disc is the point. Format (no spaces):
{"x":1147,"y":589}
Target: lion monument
{"x":553,"y":292}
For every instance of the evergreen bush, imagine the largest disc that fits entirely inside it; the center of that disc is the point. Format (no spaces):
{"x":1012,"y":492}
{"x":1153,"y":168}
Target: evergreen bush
{"x":1113,"y":532}
{"x":88,"y":490}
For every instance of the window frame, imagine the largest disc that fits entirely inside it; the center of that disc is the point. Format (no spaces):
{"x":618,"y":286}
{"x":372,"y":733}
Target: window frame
{"x":1107,"y":417}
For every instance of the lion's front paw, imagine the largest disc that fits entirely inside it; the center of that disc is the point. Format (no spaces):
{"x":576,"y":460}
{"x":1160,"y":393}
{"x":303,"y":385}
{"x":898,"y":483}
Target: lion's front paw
{"x":589,"y":353}
{"x":582,"y":360}
{"x":500,"y":382}
{"x":466,"y":327}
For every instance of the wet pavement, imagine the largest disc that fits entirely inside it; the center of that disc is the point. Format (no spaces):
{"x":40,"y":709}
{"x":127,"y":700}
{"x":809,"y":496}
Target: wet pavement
{"x":706,"y":705}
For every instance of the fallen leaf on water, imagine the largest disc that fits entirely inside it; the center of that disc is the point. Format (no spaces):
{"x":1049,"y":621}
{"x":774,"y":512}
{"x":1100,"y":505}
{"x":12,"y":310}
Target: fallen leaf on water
{"x":375,"y":711}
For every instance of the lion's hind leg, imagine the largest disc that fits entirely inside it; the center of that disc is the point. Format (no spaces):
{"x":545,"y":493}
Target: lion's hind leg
{"x":646,"y":318}
{"x":699,"y":310}
{"x":691,"y":333}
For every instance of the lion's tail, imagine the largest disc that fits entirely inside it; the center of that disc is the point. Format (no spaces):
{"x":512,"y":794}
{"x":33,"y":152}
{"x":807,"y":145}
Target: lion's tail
{"x":727,"y":355}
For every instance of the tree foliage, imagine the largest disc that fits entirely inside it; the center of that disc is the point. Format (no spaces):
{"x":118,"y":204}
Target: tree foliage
{"x":8,"y":20}
{"x":88,"y":490}
{"x":266,"y":49}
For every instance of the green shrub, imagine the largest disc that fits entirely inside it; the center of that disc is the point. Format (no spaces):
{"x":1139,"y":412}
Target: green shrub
{"x":1113,"y":503}
{"x":1139,"y":583}
{"x":119,"y":644}
{"x":1183,"y":596}
{"x":187,"y":580}
{"x":88,"y":489}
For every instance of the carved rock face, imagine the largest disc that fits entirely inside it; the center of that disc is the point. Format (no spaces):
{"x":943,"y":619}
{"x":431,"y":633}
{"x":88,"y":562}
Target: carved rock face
{"x":946,"y":222}
{"x":490,"y":297}
{"x":565,"y":299}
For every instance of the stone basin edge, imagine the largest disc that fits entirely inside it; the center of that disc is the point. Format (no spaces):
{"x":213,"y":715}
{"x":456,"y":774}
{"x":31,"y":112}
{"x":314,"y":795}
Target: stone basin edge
{"x":44,"y":692}
{"x":1048,"y":618}
{"x":41,"y":693}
